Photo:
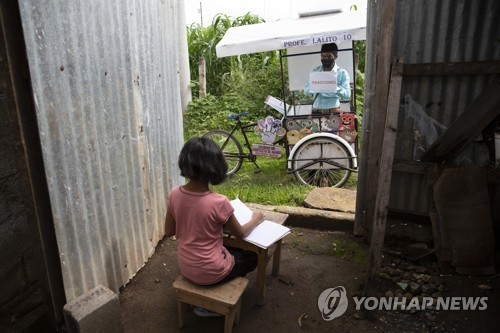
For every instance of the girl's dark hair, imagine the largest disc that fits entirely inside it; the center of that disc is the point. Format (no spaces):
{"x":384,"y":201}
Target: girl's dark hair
{"x":202,"y":159}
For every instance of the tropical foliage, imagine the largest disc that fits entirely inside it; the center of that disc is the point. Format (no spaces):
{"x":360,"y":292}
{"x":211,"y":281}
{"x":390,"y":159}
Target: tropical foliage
{"x":223,"y":73}
{"x":360,"y":50}
{"x":234,"y":84}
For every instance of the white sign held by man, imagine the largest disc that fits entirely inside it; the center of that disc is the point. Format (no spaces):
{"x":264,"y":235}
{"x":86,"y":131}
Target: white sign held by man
{"x":323,"y":82}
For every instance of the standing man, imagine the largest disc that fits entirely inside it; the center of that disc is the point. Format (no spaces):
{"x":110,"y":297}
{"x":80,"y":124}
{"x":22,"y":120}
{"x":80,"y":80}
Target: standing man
{"x":329,"y":102}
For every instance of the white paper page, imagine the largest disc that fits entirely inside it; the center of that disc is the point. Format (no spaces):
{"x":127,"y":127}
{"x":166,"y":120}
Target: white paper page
{"x":267,"y":233}
{"x":276,"y":104}
{"x":242,"y":213}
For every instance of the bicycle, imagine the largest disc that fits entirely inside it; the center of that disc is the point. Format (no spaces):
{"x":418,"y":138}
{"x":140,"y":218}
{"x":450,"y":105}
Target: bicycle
{"x":233,"y":151}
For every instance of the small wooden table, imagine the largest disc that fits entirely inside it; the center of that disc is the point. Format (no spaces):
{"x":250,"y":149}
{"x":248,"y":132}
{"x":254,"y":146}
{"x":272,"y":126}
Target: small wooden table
{"x":264,"y":255}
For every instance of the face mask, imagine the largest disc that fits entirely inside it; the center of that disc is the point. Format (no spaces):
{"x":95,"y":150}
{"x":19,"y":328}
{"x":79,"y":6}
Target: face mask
{"x":327,"y":63}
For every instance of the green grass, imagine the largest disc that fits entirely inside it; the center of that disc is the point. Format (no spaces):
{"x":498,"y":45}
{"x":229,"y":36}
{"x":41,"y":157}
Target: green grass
{"x":338,"y":245}
{"x":350,"y":249}
{"x":272,"y":186}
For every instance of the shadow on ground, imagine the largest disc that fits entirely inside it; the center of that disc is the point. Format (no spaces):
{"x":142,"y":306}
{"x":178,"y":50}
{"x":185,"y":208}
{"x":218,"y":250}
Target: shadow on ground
{"x":309,"y":264}
{"x":312,"y":261}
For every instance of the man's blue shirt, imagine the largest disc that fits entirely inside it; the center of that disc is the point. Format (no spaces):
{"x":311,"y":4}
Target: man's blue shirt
{"x":332,"y":100}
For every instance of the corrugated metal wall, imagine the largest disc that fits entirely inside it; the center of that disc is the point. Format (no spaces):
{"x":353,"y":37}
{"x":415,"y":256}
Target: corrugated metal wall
{"x":436,"y":31}
{"x":105,"y":78}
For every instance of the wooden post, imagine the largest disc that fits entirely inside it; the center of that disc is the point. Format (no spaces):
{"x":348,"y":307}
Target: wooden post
{"x":385,"y":177}
{"x":439,"y":234}
{"x":376,"y":92}
{"x":202,"y":78}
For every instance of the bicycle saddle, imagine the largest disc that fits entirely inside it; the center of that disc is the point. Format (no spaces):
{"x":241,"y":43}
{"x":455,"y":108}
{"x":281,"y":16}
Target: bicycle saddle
{"x":237,"y":116}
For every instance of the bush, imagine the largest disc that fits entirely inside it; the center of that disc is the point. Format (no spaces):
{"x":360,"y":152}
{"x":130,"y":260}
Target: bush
{"x":202,"y":42}
{"x":212,"y":113}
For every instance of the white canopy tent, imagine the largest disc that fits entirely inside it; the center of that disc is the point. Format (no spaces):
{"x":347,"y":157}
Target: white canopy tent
{"x":300,"y":35}
{"x":283,"y":34}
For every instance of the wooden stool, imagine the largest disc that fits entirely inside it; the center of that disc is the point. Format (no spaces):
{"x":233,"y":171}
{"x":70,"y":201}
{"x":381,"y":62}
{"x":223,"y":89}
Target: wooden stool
{"x":224,"y":298}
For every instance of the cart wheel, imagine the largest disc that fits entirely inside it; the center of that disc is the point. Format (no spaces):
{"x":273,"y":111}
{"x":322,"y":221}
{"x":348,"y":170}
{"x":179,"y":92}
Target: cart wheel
{"x":321,"y":162}
{"x":231,"y":148}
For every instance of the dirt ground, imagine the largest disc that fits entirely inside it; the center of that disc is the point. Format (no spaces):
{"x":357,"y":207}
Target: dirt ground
{"x":311,"y":262}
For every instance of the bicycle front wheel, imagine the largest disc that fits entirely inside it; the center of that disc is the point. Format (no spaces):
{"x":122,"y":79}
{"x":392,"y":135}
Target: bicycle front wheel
{"x":230,"y":147}
{"x":322,"y":162}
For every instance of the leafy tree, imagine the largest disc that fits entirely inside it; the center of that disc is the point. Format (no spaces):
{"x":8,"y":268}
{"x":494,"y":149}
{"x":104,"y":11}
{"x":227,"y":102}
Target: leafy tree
{"x":202,"y":42}
{"x":234,"y":84}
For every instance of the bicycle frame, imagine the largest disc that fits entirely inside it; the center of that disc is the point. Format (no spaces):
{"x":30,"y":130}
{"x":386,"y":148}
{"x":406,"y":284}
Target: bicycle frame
{"x":244,"y":130}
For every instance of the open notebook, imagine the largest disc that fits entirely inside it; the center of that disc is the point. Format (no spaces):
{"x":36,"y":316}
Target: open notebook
{"x":263,"y":235}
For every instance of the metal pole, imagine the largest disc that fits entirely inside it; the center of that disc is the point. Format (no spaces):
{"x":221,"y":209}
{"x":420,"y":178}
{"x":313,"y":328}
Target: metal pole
{"x":201,"y":14}
{"x":283,"y":94}
{"x":354,"y":63}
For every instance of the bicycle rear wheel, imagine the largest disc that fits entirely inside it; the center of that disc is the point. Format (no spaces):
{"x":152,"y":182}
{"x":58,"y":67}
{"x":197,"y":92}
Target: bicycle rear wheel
{"x":230,"y":147}
{"x":322,"y":162}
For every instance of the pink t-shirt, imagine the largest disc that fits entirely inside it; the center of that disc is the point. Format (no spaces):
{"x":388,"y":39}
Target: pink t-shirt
{"x":199,"y":219}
